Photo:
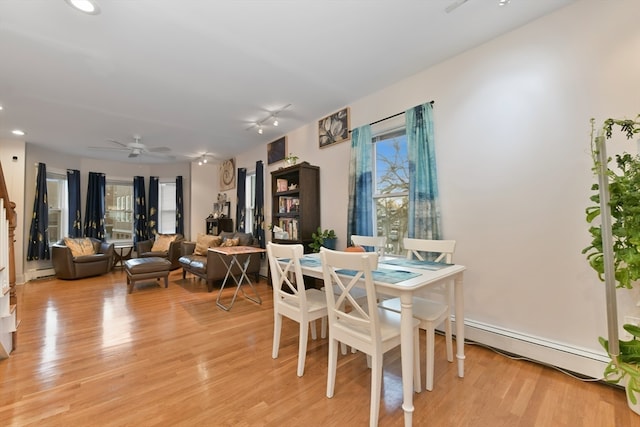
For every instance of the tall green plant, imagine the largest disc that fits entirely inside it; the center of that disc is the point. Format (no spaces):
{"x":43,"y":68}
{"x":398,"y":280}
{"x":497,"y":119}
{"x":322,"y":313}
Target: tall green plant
{"x":624,"y":188}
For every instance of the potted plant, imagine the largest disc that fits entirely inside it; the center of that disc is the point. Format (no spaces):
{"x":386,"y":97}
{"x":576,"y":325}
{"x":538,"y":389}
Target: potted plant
{"x":627,"y":366}
{"x":326,"y":238}
{"x":614,"y":251}
{"x":291,"y":159}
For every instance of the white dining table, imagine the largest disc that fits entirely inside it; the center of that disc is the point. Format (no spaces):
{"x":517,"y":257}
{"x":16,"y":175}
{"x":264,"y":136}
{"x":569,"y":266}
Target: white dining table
{"x":406,"y":290}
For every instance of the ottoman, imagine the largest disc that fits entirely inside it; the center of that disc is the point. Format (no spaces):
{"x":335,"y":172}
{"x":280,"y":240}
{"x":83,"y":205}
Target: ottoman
{"x":146,"y":268}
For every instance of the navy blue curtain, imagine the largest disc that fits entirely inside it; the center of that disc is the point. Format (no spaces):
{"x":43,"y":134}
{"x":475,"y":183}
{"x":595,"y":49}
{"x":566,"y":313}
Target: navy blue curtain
{"x":139,"y":211}
{"x":258,"y":213}
{"x":95,"y":209}
{"x":179,"y":206}
{"x":75,"y":217}
{"x":242,"y":197}
{"x":153,"y":205}
{"x":38,"y":240}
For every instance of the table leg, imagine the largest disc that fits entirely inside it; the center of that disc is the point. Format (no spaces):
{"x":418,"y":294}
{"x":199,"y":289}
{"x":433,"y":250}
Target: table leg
{"x":459,"y":308}
{"x":243,"y":275}
{"x":406,"y":354}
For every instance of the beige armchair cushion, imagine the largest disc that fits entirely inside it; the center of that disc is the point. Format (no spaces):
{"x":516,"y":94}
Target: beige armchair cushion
{"x":230,"y":242}
{"x":206,"y":241}
{"x":79,"y":247}
{"x":162,"y":242}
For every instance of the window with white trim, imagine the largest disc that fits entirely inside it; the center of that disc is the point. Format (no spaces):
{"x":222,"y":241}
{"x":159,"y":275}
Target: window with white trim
{"x":57,"y":206}
{"x":119,"y":211}
{"x":167,"y":207}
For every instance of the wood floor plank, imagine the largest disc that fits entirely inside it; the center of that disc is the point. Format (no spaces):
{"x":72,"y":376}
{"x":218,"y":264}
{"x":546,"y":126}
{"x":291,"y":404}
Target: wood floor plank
{"x":91,"y":354}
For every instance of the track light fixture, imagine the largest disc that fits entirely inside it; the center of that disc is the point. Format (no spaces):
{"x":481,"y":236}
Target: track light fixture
{"x":271,"y":118}
{"x":203,"y":160}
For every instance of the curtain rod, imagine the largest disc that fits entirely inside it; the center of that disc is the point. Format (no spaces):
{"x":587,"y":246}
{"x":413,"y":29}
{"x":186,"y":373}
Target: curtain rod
{"x":391,"y":116}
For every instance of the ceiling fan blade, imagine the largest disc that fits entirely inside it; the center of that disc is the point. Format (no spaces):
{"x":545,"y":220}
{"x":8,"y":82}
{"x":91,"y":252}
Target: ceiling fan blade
{"x":108,"y":148}
{"x":162,"y":155}
{"x":453,"y":6}
{"x":159,"y":149}
{"x":118,"y":142}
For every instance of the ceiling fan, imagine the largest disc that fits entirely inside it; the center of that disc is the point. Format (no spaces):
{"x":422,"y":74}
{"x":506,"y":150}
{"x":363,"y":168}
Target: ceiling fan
{"x":136,"y":148}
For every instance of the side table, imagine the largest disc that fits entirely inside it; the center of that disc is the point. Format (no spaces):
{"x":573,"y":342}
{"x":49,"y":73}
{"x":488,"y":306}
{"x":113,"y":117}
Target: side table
{"x":121,"y":253}
{"x":231,"y":253}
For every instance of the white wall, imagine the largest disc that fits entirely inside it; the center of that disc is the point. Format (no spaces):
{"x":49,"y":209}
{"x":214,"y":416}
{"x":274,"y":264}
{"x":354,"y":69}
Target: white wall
{"x":14,"y":178}
{"x":512,"y":135}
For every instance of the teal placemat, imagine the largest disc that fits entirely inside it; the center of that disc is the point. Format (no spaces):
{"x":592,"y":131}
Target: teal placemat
{"x":415,"y":263}
{"x":385,"y":275}
{"x":310,"y":261}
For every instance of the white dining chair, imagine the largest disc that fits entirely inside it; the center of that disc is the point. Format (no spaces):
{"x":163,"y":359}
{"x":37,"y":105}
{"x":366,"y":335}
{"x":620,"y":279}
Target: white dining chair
{"x":379,"y":243}
{"x":292,"y":300}
{"x":370,"y":329}
{"x":431,"y":313}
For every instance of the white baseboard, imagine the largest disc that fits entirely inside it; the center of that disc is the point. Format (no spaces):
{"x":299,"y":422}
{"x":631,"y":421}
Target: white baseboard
{"x":574,"y":359}
{"x":38,"y":274}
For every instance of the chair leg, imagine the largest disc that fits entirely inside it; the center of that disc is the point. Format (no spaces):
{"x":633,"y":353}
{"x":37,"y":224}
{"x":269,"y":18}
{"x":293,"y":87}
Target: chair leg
{"x":331,"y":371}
{"x":376,"y":388}
{"x":430,"y":354}
{"x":277,"y":327}
{"x":323,"y":327}
{"x":449,"y":341}
{"x":417,"y":381}
{"x":314,"y":334}
{"x":302,"y":346}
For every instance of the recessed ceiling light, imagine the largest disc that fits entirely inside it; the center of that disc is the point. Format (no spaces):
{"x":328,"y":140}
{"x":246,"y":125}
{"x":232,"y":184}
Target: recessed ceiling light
{"x":87,"y":6}
{"x":18,"y":132}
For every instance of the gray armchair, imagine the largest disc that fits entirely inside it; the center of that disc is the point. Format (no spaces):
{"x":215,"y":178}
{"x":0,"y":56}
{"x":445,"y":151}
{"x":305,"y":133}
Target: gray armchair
{"x":145,"y":249}
{"x":67,"y":266}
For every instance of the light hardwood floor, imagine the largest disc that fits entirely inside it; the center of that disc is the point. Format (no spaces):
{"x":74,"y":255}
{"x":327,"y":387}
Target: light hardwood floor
{"x":89,"y":354}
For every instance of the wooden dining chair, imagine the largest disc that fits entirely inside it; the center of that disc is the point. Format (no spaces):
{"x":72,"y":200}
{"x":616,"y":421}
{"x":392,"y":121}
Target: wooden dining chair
{"x":378,"y":243}
{"x":292,"y":300}
{"x":431,"y":313}
{"x":370,"y":329}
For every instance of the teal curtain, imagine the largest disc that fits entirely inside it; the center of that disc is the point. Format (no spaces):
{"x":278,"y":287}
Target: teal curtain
{"x":360,"y":210}
{"x":139,"y":211}
{"x":75,"y":217}
{"x":179,"y":206}
{"x":38,"y":248}
{"x":152,"y":219}
{"x":95,"y":207}
{"x":424,"y":210}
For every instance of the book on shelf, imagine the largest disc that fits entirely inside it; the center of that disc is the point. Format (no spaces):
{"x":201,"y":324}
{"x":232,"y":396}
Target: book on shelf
{"x":288,"y":204}
{"x":282,"y":184}
{"x":290,"y":226}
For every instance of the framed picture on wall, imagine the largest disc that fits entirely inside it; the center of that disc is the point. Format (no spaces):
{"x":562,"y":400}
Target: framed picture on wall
{"x":277,"y":150}
{"x":334,"y":128}
{"x":228,"y":175}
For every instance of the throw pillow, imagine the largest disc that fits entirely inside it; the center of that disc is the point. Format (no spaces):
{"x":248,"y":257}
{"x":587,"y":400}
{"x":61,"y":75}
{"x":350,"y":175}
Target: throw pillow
{"x":229,"y":242}
{"x":204,"y":242}
{"x":245,"y":239}
{"x":79,"y":247}
{"x":162,"y":242}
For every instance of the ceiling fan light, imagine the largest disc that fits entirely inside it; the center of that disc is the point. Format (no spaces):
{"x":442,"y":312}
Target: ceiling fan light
{"x":87,"y":6}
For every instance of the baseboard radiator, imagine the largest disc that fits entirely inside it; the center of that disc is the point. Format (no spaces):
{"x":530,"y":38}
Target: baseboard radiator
{"x":577,"y":360}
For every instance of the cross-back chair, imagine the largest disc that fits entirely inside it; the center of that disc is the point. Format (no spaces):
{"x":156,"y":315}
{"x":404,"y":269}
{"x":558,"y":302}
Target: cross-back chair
{"x":292,"y":300}
{"x":430,"y":312}
{"x":367,"y":328}
{"x":378,"y":243}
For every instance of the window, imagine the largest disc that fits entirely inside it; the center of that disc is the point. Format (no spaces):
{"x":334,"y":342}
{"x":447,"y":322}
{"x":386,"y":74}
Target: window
{"x":167,"y":207}
{"x":58,"y":207}
{"x":250,"y":198}
{"x":391,"y":187}
{"x":119,"y":211}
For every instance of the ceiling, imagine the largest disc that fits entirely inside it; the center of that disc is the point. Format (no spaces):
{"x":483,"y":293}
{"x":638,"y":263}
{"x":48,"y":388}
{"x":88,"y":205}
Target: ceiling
{"x":194,"y":75}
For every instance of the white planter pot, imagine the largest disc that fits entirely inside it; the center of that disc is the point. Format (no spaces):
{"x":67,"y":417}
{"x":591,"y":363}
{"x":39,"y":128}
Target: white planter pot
{"x":634,"y":407}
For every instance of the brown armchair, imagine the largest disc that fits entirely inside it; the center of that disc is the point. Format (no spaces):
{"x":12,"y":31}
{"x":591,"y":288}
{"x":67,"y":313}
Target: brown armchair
{"x":97,"y":260}
{"x":164,"y":246}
